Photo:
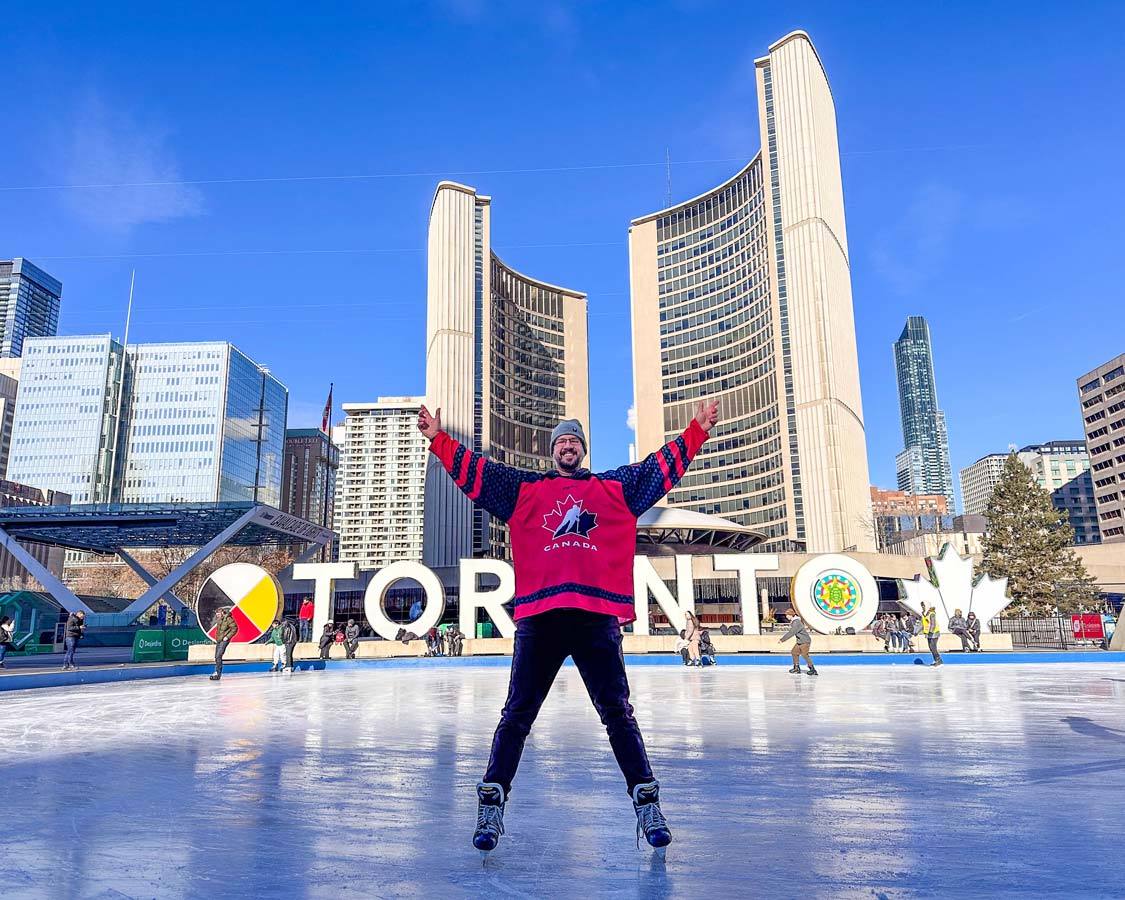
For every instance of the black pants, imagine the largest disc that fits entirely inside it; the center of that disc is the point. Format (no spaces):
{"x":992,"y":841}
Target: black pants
{"x":324,"y":648}
{"x":350,"y":648}
{"x":542,"y":644}
{"x":289,"y":655}
{"x":932,"y":640}
{"x":220,"y":649}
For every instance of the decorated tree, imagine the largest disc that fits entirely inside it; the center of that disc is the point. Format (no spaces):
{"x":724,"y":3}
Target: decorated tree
{"x":1029,"y":543}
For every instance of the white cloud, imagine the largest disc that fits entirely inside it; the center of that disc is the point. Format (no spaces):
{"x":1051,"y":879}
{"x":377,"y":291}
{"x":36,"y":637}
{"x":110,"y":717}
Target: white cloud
{"x":108,"y":146}
{"x":631,"y":417}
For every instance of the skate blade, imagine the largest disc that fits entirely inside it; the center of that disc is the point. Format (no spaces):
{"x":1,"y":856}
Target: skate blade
{"x":660,"y":853}
{"x":484,"y":858}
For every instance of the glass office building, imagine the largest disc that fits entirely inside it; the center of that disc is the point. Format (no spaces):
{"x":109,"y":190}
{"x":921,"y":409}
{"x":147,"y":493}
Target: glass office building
{"x":199,"y":422}
{"x":923,"y":466}
{"x":29,"y":304}
{"x":65,"y":424}
{"x":743,"y":295}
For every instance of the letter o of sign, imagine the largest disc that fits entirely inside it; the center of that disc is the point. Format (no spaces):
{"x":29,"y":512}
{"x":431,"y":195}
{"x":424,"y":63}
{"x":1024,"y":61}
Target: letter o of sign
{"x":377,"y":589}
{"x":835,"y":591}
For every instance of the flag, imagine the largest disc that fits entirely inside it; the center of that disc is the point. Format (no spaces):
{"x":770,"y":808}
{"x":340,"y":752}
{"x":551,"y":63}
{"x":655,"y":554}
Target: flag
{"x":327,"y":417}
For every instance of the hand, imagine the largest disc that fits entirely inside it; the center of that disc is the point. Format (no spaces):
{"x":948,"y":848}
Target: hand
{"x":707,"y":414}
{"x":428,"y":424}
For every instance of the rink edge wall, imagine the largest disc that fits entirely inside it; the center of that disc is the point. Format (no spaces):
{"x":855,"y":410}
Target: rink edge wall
{"x":35,"y":680}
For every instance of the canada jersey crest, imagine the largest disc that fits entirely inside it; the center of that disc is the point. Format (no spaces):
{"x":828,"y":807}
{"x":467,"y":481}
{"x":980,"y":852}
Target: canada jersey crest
{"x":570,"y":518}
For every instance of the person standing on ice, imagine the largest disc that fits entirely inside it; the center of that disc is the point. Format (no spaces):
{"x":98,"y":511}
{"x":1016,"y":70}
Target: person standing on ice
{"x":799,"y":630}
{"x":225,"y":630}
{"x":573,"y":539}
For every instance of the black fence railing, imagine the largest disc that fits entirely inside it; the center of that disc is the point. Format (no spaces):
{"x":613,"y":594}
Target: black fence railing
{"x":1048,"y":633}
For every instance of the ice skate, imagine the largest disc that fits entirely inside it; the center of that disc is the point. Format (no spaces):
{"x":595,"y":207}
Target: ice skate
{"x":813,"y":671}
{"x":650,"y":820}
{"x":490,"y":818}
{"x":796,"y":670}
{"x":214,"y":678}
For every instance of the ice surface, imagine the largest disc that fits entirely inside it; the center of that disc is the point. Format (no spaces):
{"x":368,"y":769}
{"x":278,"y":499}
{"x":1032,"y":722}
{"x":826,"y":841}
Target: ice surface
{"x":866,"y":782}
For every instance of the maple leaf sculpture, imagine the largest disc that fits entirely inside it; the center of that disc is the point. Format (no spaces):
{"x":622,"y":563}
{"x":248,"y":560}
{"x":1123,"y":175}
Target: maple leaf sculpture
{"x":951,"y":585}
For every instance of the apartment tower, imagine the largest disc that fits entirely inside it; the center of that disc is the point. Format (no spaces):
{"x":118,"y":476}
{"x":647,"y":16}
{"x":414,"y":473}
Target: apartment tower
{"x":743,"y":294}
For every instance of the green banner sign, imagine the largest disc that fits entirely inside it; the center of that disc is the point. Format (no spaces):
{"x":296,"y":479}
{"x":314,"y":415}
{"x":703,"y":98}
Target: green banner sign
{"x":160,"y":644}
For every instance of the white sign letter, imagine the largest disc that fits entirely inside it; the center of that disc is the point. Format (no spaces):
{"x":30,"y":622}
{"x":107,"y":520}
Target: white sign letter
{"x":322,"y":575}
{"x":747,"y":565}
{"x":491,"y":601}
{"x":381,"y":583}
{"x":645,"y":580}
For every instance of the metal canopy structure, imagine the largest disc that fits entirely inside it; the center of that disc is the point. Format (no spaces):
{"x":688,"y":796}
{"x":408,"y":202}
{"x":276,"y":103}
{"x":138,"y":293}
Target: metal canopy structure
{"x":665,"y":530}
{"x":110,"y":528}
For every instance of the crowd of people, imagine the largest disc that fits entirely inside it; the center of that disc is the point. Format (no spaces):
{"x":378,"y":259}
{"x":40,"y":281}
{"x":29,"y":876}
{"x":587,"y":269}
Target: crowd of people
{"x":897,"y":631}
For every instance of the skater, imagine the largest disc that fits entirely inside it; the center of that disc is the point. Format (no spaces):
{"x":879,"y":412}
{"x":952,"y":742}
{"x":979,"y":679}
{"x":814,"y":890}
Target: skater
{"x":693,"y":632}
{"x":800,"y":631}
{"x":351,"y":639}
{"x":225,"y":629}
{"x":959,"y":627}
{"x":573,"y":536}
{"x":277,"y":641}
{"x":682,"y":647}
{"x":932,"y":631}
{"x":972,"y":626}
{"x":327,"y":637}
{"x":456,"y":641}
{"x":305,"y":617}
{"x":7,"y":631}
{"x":75,"y":631}
{"x":289,"y":635}
{"x":706,"y":648}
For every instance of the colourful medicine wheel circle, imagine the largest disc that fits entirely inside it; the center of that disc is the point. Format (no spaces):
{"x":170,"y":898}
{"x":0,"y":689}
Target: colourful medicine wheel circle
{"x":250,"y":593}
{"x":836,"y":594}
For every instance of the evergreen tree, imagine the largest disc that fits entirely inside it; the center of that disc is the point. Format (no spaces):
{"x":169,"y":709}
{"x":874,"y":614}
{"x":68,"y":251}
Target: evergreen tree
{"x":1029,"y":542}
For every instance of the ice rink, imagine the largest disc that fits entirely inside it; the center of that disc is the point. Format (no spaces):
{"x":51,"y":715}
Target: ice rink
{"x":869,"y":781}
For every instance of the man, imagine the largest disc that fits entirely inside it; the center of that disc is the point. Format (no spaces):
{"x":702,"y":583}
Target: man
{"x":289,"y":634}
{"x":799,"y":630}
{"x":351,"y":639}
{"x":972,"y":626}
{"x":75,"y":630}
{"x":327,"y":637}
{"x":225,"y":629}
{"x":959,"y":627}
{"x":305,"y":617}
{"x":932,"y":631}
{"x":573,"y":538}
{"x":277,"y":641}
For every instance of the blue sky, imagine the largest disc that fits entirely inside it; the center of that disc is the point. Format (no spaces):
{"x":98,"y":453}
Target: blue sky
{"x":981,"y":155}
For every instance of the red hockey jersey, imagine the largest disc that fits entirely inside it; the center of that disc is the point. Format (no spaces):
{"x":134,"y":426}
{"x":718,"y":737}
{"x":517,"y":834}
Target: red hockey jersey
{"x":573,"y":537}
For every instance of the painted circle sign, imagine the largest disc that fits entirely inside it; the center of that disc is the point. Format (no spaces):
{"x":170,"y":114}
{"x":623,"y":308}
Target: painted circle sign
{"x":836,"y":594}
{"x":835,"y":591}
{"x":250,"y":593}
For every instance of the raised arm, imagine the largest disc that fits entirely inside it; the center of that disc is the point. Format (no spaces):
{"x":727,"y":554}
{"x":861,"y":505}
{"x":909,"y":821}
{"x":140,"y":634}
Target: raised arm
{"x":490,"y":485}
{"x":646,"y":482}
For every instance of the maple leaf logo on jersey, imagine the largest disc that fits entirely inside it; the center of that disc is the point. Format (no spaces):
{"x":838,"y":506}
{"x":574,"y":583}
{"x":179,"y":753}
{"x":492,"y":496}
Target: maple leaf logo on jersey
{"x":568,"y":517}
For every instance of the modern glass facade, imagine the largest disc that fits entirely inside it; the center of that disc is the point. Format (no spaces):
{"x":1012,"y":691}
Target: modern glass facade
{"x":527,"y":387}
{"x":253,"y":433}
{"x":743,"y":295}
{"x":717,"y":340}
{"x":64,"y":429}
{"x":923,"y":466}
{"x":506,"y":359}
{"x":199,"y":422}
{"x":29,"y":304}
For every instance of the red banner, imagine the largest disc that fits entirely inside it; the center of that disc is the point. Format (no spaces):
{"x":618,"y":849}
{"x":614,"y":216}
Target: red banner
{"x":1087,"y":626}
